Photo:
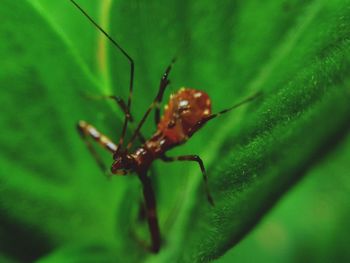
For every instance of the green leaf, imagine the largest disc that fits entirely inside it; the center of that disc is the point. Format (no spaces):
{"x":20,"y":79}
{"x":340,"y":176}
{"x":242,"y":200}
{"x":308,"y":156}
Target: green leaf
{"x":309,"y":224}
{"x":50,"y":193}
{"x":103,"y":253}
{"x":85,"y":41}
{"x":53,"y":196}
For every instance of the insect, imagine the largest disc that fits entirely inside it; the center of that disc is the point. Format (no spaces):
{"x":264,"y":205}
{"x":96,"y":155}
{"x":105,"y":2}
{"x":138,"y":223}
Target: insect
{"x":186,"y":112}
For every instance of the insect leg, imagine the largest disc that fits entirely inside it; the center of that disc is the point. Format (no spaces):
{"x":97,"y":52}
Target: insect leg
{"x":163,"y":84}
{"x":131,"y":62}
{"x":200,"y":123}
{"x":194,"y":158}
{"x":151,"y":211}
{"x":164,"y":81}
{"x":121,"y":103}
{"x":85,"y":131}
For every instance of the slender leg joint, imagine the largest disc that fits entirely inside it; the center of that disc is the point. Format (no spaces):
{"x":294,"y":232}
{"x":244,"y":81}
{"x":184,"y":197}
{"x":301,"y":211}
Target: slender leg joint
{"x":194,"y":158}
{"x":89,"y":130}
{"x":85,"y":131}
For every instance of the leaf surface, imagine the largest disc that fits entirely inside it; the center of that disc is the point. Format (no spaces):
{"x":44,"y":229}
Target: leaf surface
{"x":52,"y":193}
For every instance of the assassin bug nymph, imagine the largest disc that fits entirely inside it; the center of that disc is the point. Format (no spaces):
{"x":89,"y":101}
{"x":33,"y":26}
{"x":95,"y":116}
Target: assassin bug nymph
{"x":187,"y":111}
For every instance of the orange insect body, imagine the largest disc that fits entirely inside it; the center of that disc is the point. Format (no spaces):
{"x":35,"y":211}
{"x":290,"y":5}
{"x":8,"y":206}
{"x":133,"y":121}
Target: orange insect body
{"x":185,"y":109}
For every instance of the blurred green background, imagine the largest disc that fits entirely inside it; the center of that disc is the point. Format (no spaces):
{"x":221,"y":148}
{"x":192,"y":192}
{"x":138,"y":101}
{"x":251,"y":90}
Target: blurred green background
{"x":278,"y":167}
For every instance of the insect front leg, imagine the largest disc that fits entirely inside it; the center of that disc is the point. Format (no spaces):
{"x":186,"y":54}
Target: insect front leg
{"x":122,"y":105}
{"x":197,"y":159}
{"x":155,"y":104}
{"x":85,"y":131}
{"x":124,"y":108}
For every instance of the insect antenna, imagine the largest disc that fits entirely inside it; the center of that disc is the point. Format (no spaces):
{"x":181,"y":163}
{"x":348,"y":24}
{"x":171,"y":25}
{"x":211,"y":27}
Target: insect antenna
{"x":131,"y":61}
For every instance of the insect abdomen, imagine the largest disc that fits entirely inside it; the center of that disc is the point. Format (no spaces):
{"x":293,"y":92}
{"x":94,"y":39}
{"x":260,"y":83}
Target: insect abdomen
{"x":184,"y":110}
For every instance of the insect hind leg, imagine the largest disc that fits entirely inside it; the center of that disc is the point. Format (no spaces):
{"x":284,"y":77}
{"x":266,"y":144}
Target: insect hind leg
{"x":122,"y":105}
